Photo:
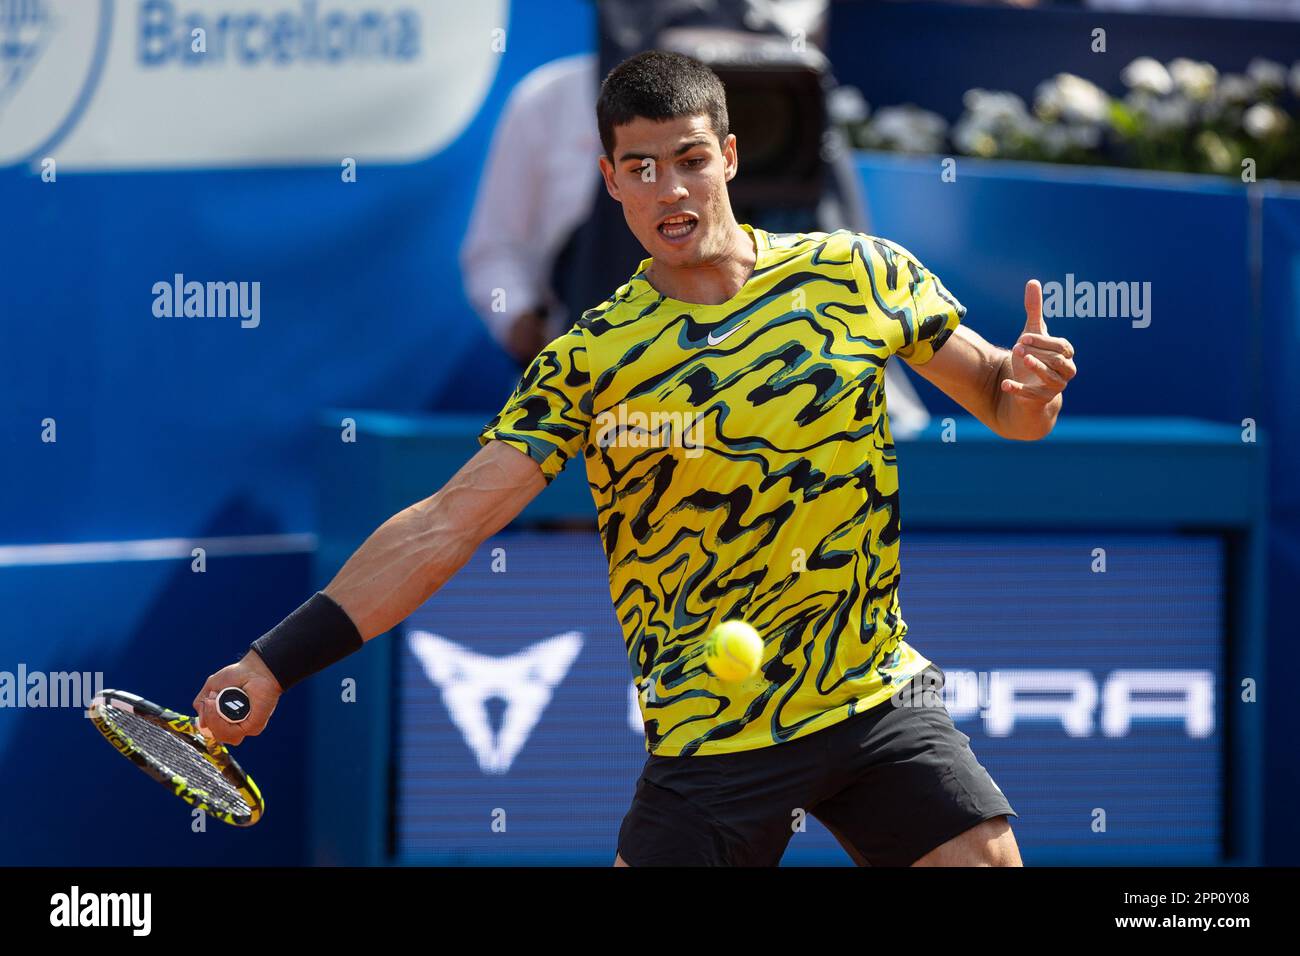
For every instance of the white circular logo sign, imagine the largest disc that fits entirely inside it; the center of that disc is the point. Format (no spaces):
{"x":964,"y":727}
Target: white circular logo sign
{"x":50,"y":51}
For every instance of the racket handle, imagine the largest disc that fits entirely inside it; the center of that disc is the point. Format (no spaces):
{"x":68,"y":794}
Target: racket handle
{"x":233,"y":704}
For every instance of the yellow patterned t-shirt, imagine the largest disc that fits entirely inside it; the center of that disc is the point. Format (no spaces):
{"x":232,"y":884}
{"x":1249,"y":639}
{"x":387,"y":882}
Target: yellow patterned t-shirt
{"x":742,"y":466}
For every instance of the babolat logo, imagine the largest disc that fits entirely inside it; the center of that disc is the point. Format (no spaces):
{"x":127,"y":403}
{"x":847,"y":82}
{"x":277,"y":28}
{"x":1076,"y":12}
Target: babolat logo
{"x":26,"y":28}
{"x":75,"y":908}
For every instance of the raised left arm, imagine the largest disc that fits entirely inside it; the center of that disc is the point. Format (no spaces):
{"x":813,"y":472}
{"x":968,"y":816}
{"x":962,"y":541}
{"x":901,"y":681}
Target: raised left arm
{"x":1016,"y":393}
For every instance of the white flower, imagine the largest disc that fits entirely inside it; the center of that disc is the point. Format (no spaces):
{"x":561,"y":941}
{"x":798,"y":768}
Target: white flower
{"x":1233,"y":93}
{"x":1058,"y":138}
{"x":973,"y":138}
{"x":1262,"y":121}
{"x":846,"y":105}
{"x":1071,"y":98}
{"x":994,"y":123}
{"x":1000,"y":113}
{"x":1194,"y":79}
{"x":908,"y":128}
{"x":1168,"y":113}
{"x":1147,"y":74}
{"x":1267,"y":73}
{"x":1139,"y":101}
{"x":1235,"y":88}
{"x":997,"y":106}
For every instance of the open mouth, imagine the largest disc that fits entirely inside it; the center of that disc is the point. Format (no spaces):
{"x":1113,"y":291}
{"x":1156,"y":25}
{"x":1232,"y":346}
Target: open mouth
{"x":677,"y":227}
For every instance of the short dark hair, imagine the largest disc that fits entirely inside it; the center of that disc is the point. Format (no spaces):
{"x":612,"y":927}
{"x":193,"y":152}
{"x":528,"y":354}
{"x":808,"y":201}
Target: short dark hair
{"x":658,"y":85}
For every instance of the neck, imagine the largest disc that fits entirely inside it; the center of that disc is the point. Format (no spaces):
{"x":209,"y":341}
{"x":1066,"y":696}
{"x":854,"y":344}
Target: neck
{"x":712,"y":281}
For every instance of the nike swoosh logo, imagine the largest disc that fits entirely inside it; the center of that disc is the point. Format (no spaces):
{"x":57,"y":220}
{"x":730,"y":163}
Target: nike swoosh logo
{"x":719,"y":339}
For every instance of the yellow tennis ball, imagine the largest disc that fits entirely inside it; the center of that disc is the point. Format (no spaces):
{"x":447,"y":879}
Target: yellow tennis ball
{"x":733,"y":651}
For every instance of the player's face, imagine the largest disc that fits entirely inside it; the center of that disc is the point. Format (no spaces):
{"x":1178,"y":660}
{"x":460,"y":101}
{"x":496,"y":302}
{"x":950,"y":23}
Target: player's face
{"x":671,"y":177}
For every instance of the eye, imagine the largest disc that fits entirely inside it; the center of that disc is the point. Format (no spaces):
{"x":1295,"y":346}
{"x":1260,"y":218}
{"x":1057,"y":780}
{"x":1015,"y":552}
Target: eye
{"x":695,"y":162}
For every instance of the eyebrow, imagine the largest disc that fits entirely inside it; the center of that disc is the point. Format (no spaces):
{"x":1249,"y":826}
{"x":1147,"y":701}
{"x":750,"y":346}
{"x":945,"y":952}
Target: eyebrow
{"x":701,"y":140}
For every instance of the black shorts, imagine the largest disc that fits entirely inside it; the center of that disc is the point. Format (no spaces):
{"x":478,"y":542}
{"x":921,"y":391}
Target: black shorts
{"x":891,"y":784}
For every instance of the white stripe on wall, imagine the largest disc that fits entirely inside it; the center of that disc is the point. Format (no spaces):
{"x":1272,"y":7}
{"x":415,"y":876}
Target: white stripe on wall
{"x":155,"y":549}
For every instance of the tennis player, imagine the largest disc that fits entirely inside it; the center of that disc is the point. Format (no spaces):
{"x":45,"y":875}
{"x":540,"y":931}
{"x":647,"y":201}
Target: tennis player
{"x":728,"y":405}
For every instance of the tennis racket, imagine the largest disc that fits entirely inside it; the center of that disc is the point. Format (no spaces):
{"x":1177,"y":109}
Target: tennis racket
{"x":176,"y":752}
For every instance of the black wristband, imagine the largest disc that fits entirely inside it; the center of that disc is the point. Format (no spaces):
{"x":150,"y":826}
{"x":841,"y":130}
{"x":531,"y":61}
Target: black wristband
{"x":318,"y":634}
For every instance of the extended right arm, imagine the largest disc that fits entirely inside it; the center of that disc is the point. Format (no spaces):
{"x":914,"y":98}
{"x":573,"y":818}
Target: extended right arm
{"x":399,"y":567}
{"x":415,"y":552}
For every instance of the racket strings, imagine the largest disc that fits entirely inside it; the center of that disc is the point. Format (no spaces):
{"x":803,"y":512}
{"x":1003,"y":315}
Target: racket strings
{"x":177,"y":758}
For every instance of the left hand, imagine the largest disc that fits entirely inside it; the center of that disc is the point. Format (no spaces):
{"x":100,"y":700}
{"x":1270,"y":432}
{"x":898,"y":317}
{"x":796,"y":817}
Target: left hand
{"x":1041,"y":364}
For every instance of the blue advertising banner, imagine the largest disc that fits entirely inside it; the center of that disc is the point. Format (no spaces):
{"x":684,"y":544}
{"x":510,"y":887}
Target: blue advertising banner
{"x":1085,"y":668}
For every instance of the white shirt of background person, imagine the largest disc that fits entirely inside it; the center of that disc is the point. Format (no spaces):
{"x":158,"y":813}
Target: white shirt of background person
{"x":538,"y":185}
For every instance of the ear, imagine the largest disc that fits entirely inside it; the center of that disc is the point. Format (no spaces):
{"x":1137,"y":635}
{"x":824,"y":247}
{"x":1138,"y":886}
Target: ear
{"x":730,"y":157}
{"x":607,"y":174}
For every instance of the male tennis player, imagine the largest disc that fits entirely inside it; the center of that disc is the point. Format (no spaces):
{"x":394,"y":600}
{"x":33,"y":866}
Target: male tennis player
{"x":727,"y":403}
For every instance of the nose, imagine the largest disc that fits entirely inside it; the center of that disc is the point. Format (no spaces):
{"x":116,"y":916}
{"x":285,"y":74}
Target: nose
{"x":671,"y":190}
